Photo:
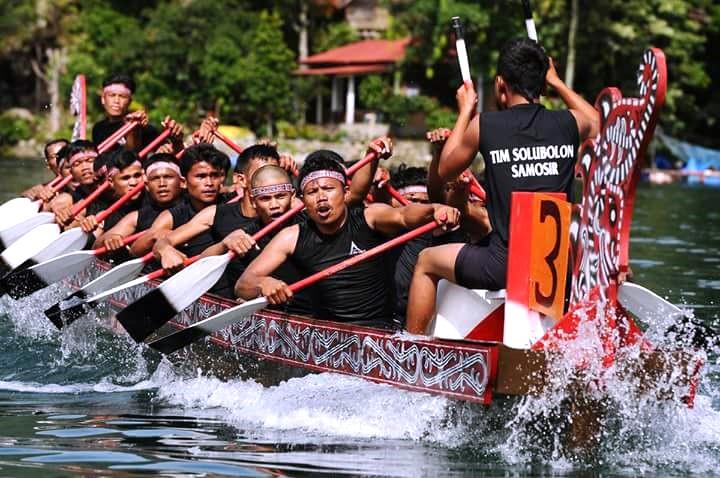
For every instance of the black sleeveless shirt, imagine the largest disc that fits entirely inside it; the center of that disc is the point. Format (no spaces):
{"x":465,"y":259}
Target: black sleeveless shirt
{"x":525,"y":148}
{"x":228,"y":218}
{"x":148,"y":212}
{"x":358,"y":293}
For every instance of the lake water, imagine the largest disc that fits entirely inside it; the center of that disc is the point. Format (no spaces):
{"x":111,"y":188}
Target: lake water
{"x":88,"y":403}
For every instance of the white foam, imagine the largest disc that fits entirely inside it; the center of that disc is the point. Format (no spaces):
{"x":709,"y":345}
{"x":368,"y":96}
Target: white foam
{"x":323,"y":403}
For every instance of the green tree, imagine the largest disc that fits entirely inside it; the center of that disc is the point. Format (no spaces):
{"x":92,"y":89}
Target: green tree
{"x":265,"y":78}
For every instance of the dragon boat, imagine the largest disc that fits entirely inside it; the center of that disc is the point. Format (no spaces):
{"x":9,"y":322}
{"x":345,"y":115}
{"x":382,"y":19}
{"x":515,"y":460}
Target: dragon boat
{"x":567,"y":265}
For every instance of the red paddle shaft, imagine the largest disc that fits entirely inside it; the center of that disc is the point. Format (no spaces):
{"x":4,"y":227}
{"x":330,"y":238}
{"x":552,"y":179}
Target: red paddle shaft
{"x":395,"y":193}
{"x":131,"y":238}
{"x":228,"y":141}
{"x":115,"y":137}
{"x":155,"y":143}
{"x":325,"y":273}
{"x":79,"y":207}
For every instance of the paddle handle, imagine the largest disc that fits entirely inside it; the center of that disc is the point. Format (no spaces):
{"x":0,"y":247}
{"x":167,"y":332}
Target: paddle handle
{"x":129,"y":239}
{"x":529,"y":22}
{"x":80,"y":206}
{"x":461,"y":49}
{"x":325,"y":273}
{"x":231,"y":144}
{"x":61,"y":184}
{"x":477,"y":190}
{"x":162,"y":272}
{"x":395,"y":193}
{"x":54,"y":181}
{"x":355,"y":167}
{"x":115,"y":137}
{"x":154,"y":143}
{"x":120,"y":202}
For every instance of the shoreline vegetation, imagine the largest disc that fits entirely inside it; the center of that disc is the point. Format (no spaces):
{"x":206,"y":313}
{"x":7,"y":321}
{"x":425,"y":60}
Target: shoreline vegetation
{"x":239,"y":60}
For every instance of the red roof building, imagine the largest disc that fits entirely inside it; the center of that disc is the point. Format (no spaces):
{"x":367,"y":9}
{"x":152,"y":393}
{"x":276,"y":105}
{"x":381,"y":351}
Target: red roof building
{"x":345,"y":62}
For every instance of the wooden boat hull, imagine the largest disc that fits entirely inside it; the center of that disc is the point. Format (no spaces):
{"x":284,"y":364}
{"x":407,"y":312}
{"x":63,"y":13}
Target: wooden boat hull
{"x":458,"y":369}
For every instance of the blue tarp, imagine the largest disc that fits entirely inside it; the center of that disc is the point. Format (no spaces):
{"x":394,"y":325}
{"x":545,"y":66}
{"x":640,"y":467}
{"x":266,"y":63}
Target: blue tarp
{"x":696,"y":158}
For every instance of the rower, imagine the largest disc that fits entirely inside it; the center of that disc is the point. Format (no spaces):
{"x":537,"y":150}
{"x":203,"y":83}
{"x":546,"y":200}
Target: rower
{"x":50,"y":152}
{"x":525,"y":147}
{"x":332,"y":233}
{"x":272,"y":194}
{"x":164,"y":185}
{"x":116,"y":98}
{"x":80,"y":158}
{"x":204,"y":168}
{"x":124,"y":171}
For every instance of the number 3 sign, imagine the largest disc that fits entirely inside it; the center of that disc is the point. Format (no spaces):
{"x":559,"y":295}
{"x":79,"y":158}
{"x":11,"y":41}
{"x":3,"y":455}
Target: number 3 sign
{"x":537,"y":265}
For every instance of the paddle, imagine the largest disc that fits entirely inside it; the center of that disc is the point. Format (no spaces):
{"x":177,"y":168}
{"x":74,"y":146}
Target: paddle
{"x":154,"y":309}
{"x":649,"y":307}
{"x":17,"y":210}
{"x":33,"y":248}
{"x":22,"y":283}
{"x":177,"y":340}
{"x":75,"y":305}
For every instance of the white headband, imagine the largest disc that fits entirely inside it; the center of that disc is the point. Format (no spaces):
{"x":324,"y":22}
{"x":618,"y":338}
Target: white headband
{"x":163,"y":165}
{"x":416,"y":189}
{"x":272,"y":189}
{"x":323,"y":173}
{"x":118,"y":88}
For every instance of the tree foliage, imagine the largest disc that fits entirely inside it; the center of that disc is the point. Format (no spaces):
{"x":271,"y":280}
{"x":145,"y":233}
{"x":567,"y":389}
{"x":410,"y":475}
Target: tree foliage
{"x":236,"y":57}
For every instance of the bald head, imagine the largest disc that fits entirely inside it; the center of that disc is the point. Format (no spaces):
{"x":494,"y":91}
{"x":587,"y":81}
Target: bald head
{"x":271,"y":192}
{"x":268,"y":175}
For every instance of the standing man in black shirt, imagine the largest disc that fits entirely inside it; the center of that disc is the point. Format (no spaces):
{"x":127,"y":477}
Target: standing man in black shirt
{"x":525,"y":148}
{"x":116,"y":98}
{"x":332,"y":233}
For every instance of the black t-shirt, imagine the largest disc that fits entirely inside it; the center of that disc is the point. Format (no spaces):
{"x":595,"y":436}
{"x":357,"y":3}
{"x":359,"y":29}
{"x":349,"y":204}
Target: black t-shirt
{"x":103,"y":129}
{"x":358,"y":293}
{"x":526,"y":148}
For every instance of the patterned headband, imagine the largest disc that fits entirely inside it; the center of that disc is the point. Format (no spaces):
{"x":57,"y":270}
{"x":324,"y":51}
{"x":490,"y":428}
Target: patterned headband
{"x":118,"y":88}
{"x":323,"y":173}
{"x":415,"y":189}
{"x":82,"y":155}
{"x":272,"y":189}
{"x":163,"y":165}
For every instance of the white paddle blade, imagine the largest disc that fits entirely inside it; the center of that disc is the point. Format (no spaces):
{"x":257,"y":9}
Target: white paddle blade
{"x":10,"y":235}
{"x":117,"y":275}
{"x":56,"y":269}
{"x":182,"y":338}
{"x":189,"y":284}
{"x":30,"y":244}
{"x":646,"y":304}
{"x":69,"y":241}
{"x":16,"y":210}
